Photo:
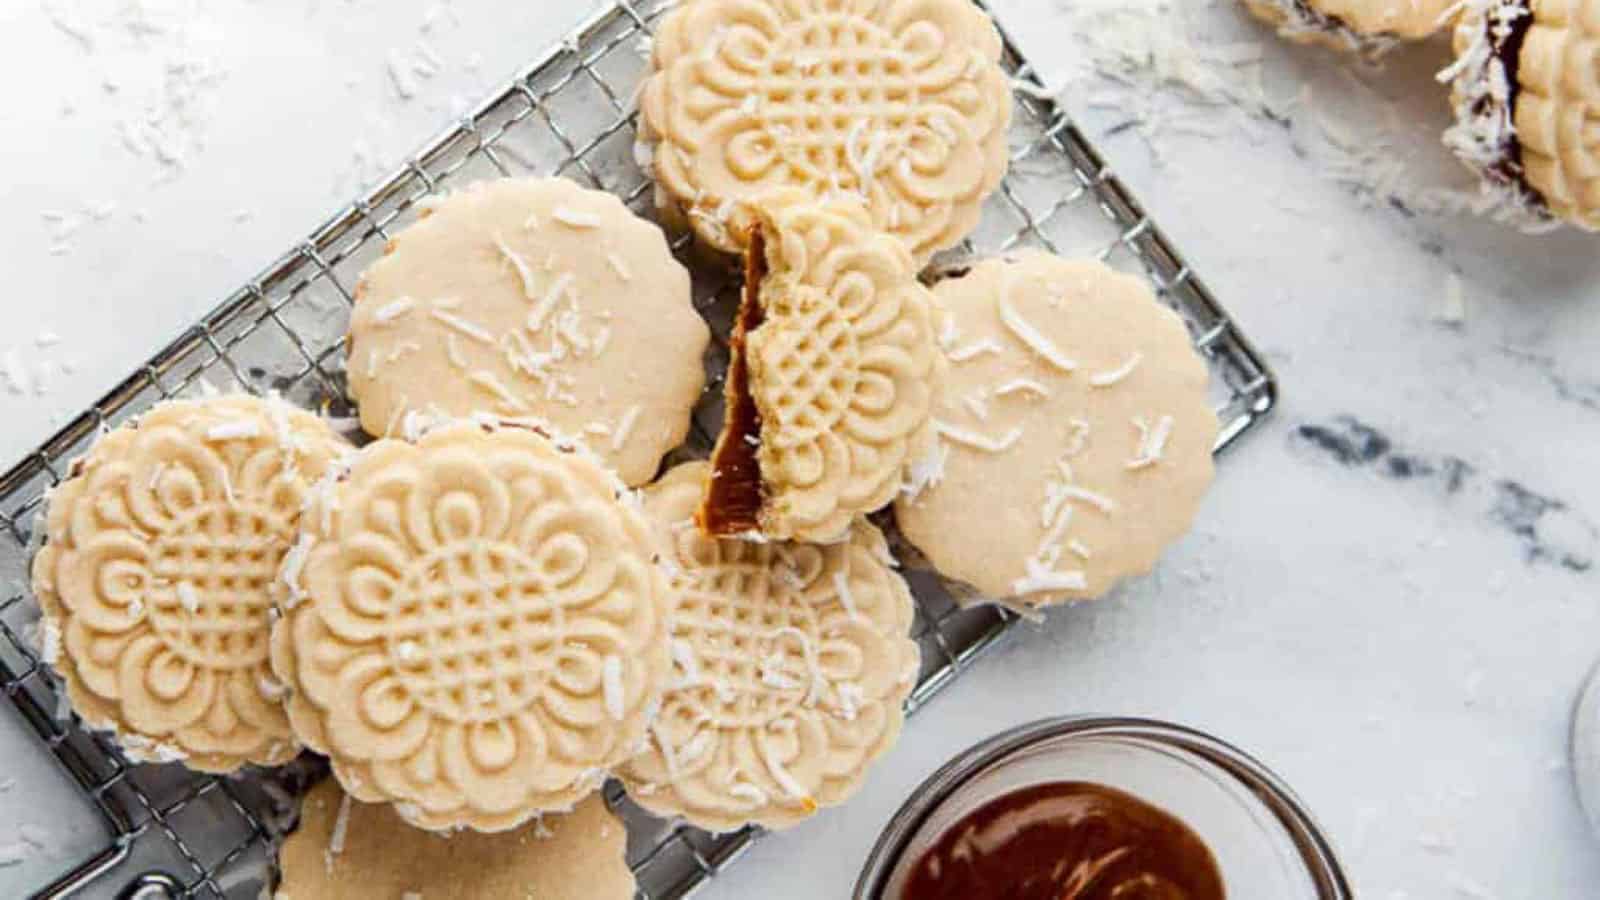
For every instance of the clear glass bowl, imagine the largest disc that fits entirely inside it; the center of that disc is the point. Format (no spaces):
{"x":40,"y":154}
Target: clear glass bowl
{"x":1264,"y":840}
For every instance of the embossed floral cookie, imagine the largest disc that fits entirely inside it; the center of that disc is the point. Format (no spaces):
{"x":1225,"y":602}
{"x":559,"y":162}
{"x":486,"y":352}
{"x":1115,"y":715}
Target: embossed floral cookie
{"x":1526,"y":88}
{"x":532,"y":297}
{"x":344,"y":848}
{"x":902,"y":104}
{"x":474,"y":626}
{"x":1364,"y":26}
{"x":155,"y":577}
{"x":1075,"y":432}
{"x":834,"y":365}
{"x":791,"y":663}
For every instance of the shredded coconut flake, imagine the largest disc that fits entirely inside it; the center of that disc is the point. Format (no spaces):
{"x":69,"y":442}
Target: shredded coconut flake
{"x":976,"y":440}
{"x":341,"y":825}
{"x":619,"y":438}
{"x":293,"y":562}
{"x":611,"y":680}
{"x":573,"y":218}
{"x":524,"y":274}
{"x":974,"y":350}
{"x":547,"y":305}
{"x":1098,"y":501}
{"x":1021,"y":386}
{"x":237,"y":430}
{"x":926,"y":472}
{"x":1115,"y":376}
{"x":486,"y":380}
{"x":1029,"y":335}
{"x":188,"y":597}
{"x":1152,"y":441}
{"x":1039,"y":580}
{"x":841,"y":586}
{"x":452,"y":351}
{"x":469,"y":328}
{"x":392,"y":310}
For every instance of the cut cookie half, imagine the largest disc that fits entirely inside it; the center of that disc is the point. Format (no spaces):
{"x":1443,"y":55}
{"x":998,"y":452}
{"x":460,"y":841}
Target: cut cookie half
{"x":833,"y":370}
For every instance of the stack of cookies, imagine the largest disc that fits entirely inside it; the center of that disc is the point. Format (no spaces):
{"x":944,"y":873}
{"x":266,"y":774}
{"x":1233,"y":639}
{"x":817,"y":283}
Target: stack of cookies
{"x":1525,"y":88}
{"x":502,"y":600}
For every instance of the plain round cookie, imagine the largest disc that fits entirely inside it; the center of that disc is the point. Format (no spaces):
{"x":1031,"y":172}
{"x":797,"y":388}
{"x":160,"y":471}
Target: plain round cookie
{"x":532,"y":297}
{"x":155,"y":577}
{"x":1525,"y":86}
{"x":474,"y":626}
{"x":791,"y":666}
{"x":1076,"y":436}
{"x":900,"y":103}
{"x":345,"y":848}
{"x":841,"y":365}
{"x":1367,"y":26}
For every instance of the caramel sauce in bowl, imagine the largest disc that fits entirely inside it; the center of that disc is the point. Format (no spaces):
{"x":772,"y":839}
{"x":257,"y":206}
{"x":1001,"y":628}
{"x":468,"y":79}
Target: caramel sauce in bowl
{"x":1095,"y":808}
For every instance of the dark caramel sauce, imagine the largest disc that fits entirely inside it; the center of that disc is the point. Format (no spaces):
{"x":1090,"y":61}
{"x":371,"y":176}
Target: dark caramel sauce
{"x":1067,"y":840}
{"x":733,"y":497}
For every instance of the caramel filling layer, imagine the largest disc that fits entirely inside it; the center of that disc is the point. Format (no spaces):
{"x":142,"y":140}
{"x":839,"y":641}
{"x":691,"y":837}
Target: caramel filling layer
{"x":734,"y":495}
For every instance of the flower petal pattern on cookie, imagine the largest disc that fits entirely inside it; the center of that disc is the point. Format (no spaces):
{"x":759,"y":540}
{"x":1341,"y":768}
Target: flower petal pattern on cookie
{"x":900,"y":102}
{"x":791,"y":665}
{"x":161,"y":554}
{"x":483,"y":630}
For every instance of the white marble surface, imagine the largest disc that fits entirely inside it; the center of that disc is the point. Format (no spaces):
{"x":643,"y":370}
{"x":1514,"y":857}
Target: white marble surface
{"x":1390,"y":597}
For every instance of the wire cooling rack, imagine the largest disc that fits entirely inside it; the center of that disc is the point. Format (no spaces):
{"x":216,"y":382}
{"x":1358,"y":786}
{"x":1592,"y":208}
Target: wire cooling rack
{"x":179,"y":834}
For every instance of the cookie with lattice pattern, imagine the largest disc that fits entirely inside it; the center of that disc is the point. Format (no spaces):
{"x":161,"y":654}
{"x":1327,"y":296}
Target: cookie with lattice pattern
{"x":345,"y":848}
{"x":901,"y":104}
{"x":155,"y":576}
{"x":532,"y":297}
{"x":833,"y":372}
{"x":790,"y":666}
{"x":474,"y":626}
{"x":1526,"y":89}
{"x":1075,"y":432}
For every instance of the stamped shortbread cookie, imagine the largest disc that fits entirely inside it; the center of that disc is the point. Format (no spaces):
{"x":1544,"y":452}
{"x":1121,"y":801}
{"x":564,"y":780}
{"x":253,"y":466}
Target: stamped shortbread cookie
{"x":1526,"y":87}
{"x":1364,"y":26}
{"x":835,"y":361}
{"x":532,"y":297}
{"x":156,"y":575}
{"x":901,"y":104}
{"x":1075,"y":433}
{"x":474,"y":626}
{"x":344,"y":848}
{"x":791,"y":663}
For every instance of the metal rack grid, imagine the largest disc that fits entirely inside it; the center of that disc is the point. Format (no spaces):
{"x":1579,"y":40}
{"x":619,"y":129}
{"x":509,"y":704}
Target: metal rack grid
{"x":176,"y":833}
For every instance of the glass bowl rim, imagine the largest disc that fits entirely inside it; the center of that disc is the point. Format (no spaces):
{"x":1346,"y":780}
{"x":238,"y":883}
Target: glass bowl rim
{"x":1315,"y":850}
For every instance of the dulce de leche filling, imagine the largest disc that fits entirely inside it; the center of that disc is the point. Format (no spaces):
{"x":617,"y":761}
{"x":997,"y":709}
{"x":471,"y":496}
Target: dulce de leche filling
{"x":1067,"y":840}
{"x":734,"y":494}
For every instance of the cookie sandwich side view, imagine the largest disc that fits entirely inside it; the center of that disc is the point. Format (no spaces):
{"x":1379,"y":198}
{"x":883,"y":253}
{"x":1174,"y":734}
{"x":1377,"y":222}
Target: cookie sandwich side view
{"x":155,"y":577}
